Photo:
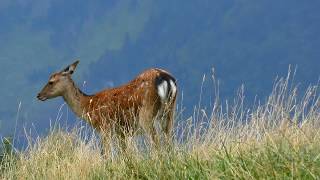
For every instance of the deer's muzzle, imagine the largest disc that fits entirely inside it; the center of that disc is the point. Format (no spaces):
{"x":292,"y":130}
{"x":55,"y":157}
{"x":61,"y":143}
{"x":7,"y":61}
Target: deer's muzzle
{"x":41,"y":97}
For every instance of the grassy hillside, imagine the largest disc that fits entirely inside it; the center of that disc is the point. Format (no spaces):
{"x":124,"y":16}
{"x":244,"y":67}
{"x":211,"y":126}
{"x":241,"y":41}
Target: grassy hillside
{"x":278,"y":139}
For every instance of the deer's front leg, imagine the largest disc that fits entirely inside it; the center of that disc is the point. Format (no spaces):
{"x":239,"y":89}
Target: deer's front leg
{"x":106,"y":140}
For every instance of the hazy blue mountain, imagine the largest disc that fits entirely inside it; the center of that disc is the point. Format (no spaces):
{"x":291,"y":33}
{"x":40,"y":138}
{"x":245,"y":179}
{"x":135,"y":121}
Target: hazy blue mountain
{"x":246,"y":41}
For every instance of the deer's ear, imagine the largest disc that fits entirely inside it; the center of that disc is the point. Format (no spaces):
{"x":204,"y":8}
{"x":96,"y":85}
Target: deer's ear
{"x":70,"y":69}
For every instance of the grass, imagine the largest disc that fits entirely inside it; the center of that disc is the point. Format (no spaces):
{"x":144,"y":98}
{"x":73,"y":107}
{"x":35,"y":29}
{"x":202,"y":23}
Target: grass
{"x":275,"y":140}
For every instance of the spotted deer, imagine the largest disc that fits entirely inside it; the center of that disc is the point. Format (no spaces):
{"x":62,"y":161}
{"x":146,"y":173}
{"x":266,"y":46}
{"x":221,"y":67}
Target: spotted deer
{"x":136,"y":105}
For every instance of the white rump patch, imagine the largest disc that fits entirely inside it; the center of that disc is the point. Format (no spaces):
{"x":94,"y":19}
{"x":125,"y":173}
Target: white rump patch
{"x":163,"y":90}
{"x":173,"y":87}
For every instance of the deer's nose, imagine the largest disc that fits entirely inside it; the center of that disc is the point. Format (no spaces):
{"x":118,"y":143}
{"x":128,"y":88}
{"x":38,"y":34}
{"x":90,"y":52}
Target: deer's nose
{"x":41,"y":98}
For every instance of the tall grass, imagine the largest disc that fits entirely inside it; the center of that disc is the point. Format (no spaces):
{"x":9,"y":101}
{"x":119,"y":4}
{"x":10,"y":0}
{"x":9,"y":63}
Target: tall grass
{"x":277,"y":139}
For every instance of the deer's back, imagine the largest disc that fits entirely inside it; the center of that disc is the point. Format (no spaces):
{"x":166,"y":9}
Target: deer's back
{"x":121,"y":104}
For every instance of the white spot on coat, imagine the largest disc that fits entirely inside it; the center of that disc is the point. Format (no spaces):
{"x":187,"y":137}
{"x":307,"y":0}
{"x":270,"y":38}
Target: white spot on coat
{"x":163,"y":90}
{"x":173,"y":88}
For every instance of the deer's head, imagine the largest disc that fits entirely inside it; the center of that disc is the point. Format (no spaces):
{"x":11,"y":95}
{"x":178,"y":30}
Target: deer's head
{"x":58,"y":83}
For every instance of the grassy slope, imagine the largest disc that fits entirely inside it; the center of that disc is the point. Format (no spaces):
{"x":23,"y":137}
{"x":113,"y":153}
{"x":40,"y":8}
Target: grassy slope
{"x":277,"y":140}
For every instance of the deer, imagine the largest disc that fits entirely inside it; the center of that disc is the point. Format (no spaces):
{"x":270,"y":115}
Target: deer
{"x":138,"y":104}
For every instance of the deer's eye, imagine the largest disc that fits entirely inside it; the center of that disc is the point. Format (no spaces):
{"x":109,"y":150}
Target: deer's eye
{"x":50,"y":82}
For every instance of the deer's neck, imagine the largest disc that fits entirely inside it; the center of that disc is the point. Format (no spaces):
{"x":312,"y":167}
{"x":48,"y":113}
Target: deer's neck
{"x":75,"y":98}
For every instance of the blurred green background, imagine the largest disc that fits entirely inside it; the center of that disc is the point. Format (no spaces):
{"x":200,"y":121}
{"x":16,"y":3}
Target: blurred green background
{"x":247,"y":42}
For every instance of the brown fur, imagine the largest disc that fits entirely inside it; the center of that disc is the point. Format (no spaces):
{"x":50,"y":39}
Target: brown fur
{"x":127,"y":107}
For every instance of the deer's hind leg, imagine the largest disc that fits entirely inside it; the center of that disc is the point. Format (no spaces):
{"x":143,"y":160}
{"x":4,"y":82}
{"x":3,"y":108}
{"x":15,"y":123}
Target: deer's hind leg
{"x":167,"y":118}
{"x":146,"y":121}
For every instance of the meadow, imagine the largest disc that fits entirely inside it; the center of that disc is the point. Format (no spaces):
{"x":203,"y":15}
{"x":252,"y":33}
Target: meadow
{"x":277,"y":138}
